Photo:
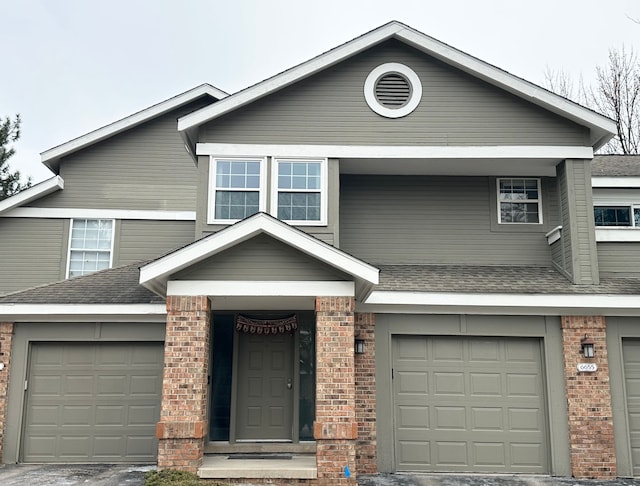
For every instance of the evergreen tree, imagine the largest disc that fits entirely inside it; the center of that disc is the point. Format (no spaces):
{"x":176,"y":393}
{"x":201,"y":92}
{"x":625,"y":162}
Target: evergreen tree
{"x":9,"y":180}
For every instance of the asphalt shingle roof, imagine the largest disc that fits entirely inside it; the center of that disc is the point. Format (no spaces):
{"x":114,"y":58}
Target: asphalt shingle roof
{"x":117,"y":285}
{"x":615,"y":166}
{"x":493,"y":280}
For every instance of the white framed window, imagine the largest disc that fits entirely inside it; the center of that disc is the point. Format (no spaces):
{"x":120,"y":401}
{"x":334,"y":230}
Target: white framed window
{"x":90,"y":246}
{"x":519,"y":201}
{"x":299,"y":191}
{"x":236,"y":188}
{"x":617,"y":215}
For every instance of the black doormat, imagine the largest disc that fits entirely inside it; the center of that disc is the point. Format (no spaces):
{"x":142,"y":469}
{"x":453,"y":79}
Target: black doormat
{"x":279,"y":457}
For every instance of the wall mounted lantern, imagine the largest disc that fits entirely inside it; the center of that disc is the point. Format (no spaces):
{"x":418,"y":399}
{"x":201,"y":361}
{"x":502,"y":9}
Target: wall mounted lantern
{"x":588,"y":347}
{"x":359,"y":346}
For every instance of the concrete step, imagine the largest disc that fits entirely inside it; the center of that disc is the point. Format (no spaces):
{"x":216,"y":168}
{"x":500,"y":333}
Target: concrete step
{"x":220,"y":466}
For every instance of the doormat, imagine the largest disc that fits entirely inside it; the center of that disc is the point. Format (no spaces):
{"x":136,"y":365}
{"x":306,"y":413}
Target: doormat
{"x":261,"y":457}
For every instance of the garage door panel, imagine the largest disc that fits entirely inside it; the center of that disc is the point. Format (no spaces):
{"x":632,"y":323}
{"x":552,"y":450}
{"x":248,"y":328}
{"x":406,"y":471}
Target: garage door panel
{"x":101,"y":411}
{"x":412,"y":382}
{"x":631,"y":360}
{"x":480,"y":414}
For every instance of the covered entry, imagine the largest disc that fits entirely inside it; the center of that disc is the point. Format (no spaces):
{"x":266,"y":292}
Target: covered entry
{"x":469,"y":404}
{"x":92,"y":402}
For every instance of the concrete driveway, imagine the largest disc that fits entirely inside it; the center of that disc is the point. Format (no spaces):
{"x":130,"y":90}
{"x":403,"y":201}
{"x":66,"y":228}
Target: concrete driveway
{"x":72,"y":474}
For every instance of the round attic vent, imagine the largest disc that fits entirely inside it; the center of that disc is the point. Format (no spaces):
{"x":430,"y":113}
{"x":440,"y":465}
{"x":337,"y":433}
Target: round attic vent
{"x":392,"y":90}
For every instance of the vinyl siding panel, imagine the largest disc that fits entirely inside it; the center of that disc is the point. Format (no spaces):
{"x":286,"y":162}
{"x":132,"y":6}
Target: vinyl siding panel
{"x":142,"y":240}
{"x":32,"y":252}
{"x":566,"y":258}
{"x":144,"y":168}
{"x":619,"y":258}
{"x":261,"y":258}
{"x":432,"y":220}
{"x":456,"y":109}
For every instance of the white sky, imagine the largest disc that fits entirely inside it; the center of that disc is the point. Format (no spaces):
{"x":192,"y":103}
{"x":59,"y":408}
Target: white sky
{"x":71,"y":66}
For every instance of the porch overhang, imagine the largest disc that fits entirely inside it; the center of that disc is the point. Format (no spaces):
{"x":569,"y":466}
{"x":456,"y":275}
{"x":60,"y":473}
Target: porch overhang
{"x":156,"y":275}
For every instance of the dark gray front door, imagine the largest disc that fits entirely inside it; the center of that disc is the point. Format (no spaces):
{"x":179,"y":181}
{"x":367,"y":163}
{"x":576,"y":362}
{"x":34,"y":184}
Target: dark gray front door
{"x":265,"y":387}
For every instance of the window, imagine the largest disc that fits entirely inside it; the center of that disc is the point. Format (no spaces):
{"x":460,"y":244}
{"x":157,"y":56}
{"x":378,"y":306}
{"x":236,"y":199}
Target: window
{"x":519,"y":201}
{"x":299,"y":193}
{"x":617,"y":216}
{"x":90,"y":246}
{"x":237,"y":189}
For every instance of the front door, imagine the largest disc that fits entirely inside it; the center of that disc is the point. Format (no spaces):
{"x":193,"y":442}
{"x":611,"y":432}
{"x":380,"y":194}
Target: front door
{"x":265,"y":387}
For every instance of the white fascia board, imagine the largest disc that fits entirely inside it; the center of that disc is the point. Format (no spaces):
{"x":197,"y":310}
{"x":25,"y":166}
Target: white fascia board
{"x":32,"y":193}
{"x":604,"y":235}
{"x":511,"y":83}
{"x":288,"y":77}
{"x":503,"y":304}
{"x":267,"y":288}
{"x":68,"y":213}
{"x":615,"y":181}
{"x":244,"y":230}
{"x":49,"y":157}
{"x":83,"y":312}
{"x":397,"y":152}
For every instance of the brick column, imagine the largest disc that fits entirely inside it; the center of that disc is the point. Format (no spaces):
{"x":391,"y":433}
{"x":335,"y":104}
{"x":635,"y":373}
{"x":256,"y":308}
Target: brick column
{"x":591,"y":439}
{"x":6,"y":338}
{"x":366,"y":455}
{"x":335,"y":428}
{"x":183,"y":424}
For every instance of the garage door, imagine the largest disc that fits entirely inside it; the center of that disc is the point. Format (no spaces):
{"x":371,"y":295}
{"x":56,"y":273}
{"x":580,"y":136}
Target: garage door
{"x":92,"y":402}
{"x":631,"y":357}
{"x":469,"y":404}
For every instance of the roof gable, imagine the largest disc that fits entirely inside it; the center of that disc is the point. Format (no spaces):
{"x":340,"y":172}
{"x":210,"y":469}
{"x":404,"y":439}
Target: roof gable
{"x":51,"y":158}
{"x":601,"y":128}
{"x":156,"y":274}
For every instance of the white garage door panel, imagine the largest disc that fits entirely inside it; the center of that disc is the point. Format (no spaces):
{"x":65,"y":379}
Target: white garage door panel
{"x":93,"y":402}
{"x":469,"y":404}
{"x":631,"y":356}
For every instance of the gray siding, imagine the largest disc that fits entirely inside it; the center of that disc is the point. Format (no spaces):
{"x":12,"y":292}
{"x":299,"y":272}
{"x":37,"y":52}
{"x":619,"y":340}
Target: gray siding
{"x":142,"y":240}
{"x":456,"y":109}
{"x":619,"y":258}
{"x":430,"y":220}
{"x":261,"y":258}
{"x":33,"y":252}
{"x":565,"y":260}
{"x":146,"y":167}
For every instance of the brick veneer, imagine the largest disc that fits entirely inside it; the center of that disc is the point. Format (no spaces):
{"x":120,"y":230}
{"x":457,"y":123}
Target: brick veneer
{"x":183,"y":424}
{"x":589,"y":400}
{"x":366,"y":457}
{"x":335,"y":428}
{"x":6,"y":338}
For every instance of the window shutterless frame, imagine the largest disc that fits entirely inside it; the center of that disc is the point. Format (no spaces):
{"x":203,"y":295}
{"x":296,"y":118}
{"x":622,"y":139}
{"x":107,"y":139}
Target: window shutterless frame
{"x":299,"y":191}
{"x":515,"y":197}
{"x":617,"y":215}
{"x":82,"y":242}
{"x":237,"y":188}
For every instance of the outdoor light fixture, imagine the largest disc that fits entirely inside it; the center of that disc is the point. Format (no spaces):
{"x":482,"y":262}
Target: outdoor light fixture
{"x":359,"y":346}
{"x":588,"y":347}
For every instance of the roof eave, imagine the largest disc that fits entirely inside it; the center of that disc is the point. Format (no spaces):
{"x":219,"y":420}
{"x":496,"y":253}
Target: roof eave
{"x":42,"y":189}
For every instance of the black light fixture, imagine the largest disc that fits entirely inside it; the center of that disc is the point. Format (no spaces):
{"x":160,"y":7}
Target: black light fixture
{"x":588,"y":347}
{"x":359,"y":346}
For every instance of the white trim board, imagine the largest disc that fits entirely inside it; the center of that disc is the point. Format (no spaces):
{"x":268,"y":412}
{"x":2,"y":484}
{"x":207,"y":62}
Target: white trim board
{"x":68,"y":213}
{"x":256,"y":288}
{"x":597,"y":181}
{"x":32,"y":193}
{"x":51,"y":157}
{"x":629,"y":234}
{"x":83,"y":312}
{"x":554,"y":152}
{"x":601,"y":128}
{"x":500,"y":304}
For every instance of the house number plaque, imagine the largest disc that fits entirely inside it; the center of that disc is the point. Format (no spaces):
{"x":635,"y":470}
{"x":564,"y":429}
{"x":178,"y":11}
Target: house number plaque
{"x":587,"y":367}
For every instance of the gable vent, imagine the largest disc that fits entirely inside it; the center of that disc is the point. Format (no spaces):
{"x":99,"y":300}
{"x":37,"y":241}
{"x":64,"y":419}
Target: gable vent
{"x":393,"y":90}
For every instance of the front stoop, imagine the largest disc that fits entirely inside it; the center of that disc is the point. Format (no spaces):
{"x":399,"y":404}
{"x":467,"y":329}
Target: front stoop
{"x":221,"y":467}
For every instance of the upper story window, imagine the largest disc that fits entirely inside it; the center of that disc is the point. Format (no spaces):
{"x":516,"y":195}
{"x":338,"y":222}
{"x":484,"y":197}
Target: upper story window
{"x":617,"y":216}
{"x":237,"y":189}
{"x":519,"y":201}
{"x":299,"y":193}
{"x":90,"y":246}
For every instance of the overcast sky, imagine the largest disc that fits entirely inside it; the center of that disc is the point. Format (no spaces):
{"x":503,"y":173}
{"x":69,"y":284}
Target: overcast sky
{"x":71,"y":66}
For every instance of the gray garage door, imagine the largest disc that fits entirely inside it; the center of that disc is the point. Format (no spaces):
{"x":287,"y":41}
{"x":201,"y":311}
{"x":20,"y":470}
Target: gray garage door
{"x":631,"y":357}
{"x":90,"y":402}
{"x":469,"y":404}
